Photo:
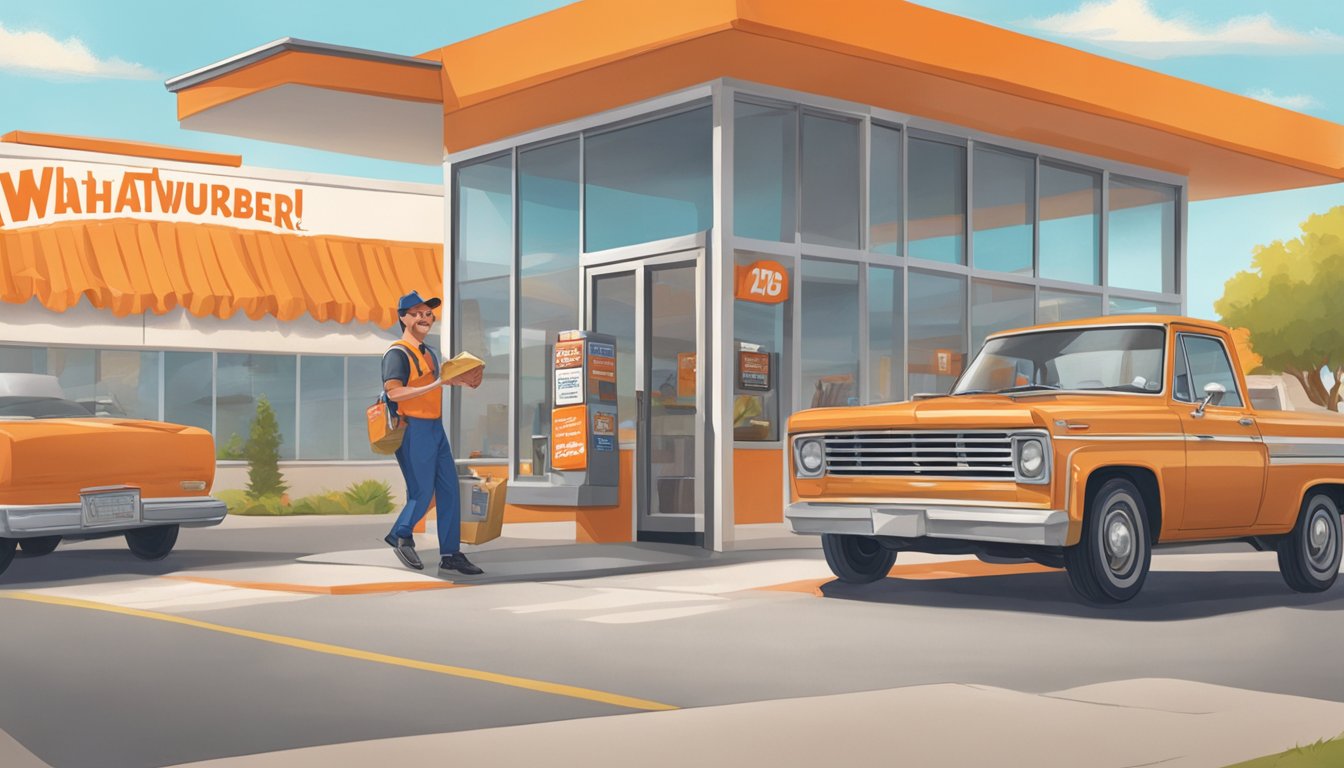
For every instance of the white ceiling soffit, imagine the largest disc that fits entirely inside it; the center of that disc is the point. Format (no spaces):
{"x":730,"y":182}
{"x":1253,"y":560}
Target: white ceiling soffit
{"x":337,"y":121}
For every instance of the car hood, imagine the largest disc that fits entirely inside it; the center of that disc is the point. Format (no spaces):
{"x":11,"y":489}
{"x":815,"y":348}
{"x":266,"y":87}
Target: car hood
{"x":1040,"y":410}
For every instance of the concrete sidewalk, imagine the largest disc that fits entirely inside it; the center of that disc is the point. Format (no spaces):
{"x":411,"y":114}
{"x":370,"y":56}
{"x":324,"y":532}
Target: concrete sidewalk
{"x":1172,"y":723}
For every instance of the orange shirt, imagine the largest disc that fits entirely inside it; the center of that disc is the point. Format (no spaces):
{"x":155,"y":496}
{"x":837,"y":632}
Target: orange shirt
{"x":423,"y":371}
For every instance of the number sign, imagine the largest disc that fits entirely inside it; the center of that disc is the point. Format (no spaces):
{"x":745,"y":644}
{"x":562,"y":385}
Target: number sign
{"x":764,"y":282}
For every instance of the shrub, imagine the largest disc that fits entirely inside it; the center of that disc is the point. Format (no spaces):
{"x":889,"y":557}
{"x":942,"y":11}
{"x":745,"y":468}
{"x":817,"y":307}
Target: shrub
{"x":233,"y":450}
{"x":371,"y":497}
{"x":266,"y":505}
{"x":263,"y":453}
{"x":234,"y":500}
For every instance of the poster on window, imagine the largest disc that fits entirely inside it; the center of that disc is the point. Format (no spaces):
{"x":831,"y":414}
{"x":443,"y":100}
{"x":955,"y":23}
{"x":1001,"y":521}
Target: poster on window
{"x":763,"y":282}
{"x":753,"y":370}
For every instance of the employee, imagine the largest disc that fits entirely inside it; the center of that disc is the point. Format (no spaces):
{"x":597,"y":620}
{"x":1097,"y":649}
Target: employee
{"x":411,"y":379}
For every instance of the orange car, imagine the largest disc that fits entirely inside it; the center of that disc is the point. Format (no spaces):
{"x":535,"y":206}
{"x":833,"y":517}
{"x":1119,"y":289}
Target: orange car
{"x":1078,"y":445}
{"x":65,"y":474}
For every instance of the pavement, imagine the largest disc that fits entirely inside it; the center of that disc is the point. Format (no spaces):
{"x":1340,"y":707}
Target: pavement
{"x":1121,"y":722}
{"x":1147,"y":722}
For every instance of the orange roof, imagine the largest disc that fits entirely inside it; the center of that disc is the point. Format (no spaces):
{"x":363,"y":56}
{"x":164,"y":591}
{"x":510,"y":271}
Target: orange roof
{"x":121,"y":147}
{"x":131,"y":267}
{"x":599,"y":54}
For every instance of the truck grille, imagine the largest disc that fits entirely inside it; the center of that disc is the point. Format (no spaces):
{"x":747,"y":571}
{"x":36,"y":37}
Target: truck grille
{"x":961,"y":455}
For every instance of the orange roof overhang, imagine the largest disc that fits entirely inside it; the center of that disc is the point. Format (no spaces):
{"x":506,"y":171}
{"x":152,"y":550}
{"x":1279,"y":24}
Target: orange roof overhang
{"x":130,"y":267}
{"x":595,"y":55}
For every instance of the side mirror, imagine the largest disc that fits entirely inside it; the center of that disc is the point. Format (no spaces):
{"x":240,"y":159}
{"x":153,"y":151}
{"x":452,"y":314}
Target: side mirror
{"x":1213,"y":395}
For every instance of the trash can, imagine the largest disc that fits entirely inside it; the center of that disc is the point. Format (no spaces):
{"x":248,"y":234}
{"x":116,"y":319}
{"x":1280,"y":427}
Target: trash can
{"x":482,"y":507}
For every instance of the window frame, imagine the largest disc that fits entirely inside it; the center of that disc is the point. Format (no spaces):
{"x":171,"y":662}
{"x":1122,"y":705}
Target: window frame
{"x":1184,"y":361}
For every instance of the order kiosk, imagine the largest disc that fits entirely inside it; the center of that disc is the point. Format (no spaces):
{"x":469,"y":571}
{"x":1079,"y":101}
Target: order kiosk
{"x":582,"y":453}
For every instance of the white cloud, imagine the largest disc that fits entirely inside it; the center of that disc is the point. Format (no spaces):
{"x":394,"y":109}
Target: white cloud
{"x":41,"y":54}
{"x":1133,"y":27}
{"x":1299,"y":101}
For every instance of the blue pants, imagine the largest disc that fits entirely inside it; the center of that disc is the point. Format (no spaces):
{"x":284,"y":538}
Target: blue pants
{"x":426,"y":461}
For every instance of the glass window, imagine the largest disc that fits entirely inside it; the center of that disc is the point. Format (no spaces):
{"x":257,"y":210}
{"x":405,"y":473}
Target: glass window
{"x":649,"y":181}
{"x":762,"y":380}
{"x":23,"y":360}
{"x":1141,"y":236}
{"x":937,"y":204}
{"x":483,"y":252}
{"x":765,"y":151}
{"x":1115,"y":359}
{"x":77,"y":371}
{"x":884,"y":190}
{"x":830,"y":363}
{"x":1057,"y":306}
{"x":830,"y":181}
{"x":1205,"y":362}
{"x":128,"y":384}
{"x":937,"y":331}
{"x":1070,"y":224}
{"x":999,"y":307}
{"x":1120,"y":305}
{"x":364,"y":376}
{"x":321,"y":403}
{"x":1004,"y":196}
{"x":886,"y":335}
{"x":548,"y":282}
{"x":187,"y":378}
{"x":241,"y":381}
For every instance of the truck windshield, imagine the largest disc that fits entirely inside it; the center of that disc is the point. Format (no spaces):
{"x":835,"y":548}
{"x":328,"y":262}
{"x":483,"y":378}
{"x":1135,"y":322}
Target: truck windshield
{"x":1105,"y":359}
{"x":41,"y":408}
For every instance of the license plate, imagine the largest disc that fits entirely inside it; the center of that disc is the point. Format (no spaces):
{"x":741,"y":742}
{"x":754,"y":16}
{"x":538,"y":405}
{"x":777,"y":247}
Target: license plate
{"x":104,"y":508}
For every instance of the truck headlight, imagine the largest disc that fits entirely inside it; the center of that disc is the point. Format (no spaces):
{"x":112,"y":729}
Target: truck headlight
{"x":1031,"y":459}
{"x":811,"y":457}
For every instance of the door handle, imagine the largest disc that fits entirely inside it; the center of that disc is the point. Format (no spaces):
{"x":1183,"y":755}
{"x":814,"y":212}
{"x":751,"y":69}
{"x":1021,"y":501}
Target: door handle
{"x":1246,"y":421}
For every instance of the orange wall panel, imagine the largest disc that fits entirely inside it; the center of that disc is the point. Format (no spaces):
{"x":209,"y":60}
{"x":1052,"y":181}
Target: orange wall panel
{"x":758,"y":486}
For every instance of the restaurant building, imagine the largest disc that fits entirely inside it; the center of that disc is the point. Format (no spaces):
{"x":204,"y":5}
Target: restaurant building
{"x":177,"y":285}
{"x":769,"y":206}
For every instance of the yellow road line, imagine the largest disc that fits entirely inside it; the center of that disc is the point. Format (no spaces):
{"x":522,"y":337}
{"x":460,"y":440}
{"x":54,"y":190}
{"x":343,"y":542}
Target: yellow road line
{"x":540,"y":686}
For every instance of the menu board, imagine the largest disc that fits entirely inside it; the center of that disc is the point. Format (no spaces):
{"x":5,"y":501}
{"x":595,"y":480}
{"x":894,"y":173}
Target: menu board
{"x":602,"y":371}
{"x":569,"y":437}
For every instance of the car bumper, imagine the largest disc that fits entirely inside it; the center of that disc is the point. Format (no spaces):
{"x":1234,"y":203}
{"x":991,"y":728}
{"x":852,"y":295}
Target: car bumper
{"x":22,"y":521}
{"x":1012,"y":525}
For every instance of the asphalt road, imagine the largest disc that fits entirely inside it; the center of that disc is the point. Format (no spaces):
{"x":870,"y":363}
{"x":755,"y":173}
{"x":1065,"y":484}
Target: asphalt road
{"x":94,"y":688}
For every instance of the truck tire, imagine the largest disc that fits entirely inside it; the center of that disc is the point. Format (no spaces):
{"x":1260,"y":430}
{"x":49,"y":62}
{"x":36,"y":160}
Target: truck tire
{"x":1110,"y":562}
{"x":152,"y":543}
{"x":856,"y":559}
{"x":39,"y":545}
{"x":7,"y":547}
{"x":1309,"y":554}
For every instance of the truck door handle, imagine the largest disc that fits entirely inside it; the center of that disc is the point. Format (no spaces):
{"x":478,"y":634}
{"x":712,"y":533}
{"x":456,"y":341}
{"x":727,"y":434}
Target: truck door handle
{"x":1246,"y":421}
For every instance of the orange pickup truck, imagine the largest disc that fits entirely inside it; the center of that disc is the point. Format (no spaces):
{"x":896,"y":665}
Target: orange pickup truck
{"x":1078,"y":445}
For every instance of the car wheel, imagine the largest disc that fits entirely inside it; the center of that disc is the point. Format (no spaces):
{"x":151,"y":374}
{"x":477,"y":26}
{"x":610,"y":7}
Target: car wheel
{"x":1110,"y":562}
{"x":856,"y":559}
{"x":39,"y":545}
{"x":7,"y":547}
{"x":152,"y":543}
{"x":1309,"y":555}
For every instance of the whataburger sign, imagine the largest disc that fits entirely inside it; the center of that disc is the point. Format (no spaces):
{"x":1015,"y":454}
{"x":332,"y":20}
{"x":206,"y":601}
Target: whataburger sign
{"x":61,"y":192}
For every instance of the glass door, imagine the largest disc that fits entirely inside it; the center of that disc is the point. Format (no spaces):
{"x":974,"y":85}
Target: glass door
{"x":654,"y":308}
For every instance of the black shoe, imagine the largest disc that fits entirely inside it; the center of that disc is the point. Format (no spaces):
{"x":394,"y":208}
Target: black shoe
{"x":405,"y":549}
{"x":459,"y":562}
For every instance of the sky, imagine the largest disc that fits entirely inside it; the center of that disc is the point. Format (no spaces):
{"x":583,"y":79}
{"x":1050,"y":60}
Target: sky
{"x":94,"y":68}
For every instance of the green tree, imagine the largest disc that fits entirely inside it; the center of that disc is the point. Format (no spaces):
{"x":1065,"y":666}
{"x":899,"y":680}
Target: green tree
{"x":1290,"y":301}
{"x":263,"y":453}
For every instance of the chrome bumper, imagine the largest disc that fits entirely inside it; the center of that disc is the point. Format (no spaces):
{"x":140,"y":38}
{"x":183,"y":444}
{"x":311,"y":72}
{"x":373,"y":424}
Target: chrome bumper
{"x":22,"y":521}
{"x":1012,"y":525}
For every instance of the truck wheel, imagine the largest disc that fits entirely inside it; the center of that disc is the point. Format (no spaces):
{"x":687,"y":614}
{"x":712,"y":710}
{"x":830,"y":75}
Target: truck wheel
{"x":1110,"y":562}
{"x":39,"y":545}
{"x":7,"y":547}
{"x":1309,"y":555}
{"x":152,"y":543}
{"x":856,"y":559}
